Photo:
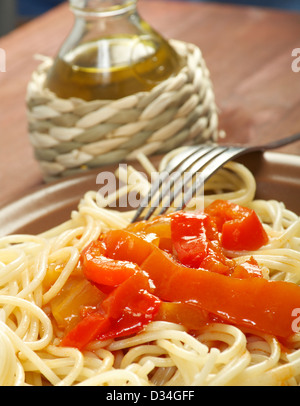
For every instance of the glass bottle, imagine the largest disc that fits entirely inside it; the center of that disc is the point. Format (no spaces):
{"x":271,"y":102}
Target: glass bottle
{"x":110,"y":53}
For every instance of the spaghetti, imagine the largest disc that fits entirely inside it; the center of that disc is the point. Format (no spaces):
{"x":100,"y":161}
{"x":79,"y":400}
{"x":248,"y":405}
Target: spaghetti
{"x":35,"y":269}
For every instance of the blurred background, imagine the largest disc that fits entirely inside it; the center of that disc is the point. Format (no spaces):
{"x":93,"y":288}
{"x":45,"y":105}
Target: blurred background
{"x":16,"y":12}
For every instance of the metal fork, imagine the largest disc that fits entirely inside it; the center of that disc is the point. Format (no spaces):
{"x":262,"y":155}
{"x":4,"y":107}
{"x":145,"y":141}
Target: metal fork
{"x":205,"y":158}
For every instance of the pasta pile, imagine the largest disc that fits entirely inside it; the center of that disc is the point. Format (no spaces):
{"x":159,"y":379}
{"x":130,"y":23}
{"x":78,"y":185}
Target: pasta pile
{"x":163,"y":353}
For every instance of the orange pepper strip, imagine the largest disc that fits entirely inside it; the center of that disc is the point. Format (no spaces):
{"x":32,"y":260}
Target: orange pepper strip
{"x":189,"y":315}
{"x":257,"y":302}
{"x":264,"y":305}
{"x":123,"y":244}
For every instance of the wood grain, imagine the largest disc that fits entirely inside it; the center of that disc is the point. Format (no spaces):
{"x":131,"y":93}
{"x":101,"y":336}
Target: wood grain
{"x":248,"y":51}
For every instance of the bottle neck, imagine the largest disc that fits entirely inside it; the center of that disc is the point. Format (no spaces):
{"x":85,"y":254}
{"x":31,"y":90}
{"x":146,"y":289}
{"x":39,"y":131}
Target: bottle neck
{"x":110,"y":53}
{"x":90,"y":8}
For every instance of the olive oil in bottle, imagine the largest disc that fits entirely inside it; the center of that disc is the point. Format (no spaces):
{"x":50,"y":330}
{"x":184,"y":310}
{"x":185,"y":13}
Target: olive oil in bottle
{"x":110,"y":53}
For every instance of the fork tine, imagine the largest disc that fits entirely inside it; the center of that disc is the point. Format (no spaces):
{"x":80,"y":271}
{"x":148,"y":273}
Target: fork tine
{"x":194,"y":159}
{"x":173,"y":164}
{"x":224,"y":155}
{"x":167,"y":186}
{"x":208,"y":154}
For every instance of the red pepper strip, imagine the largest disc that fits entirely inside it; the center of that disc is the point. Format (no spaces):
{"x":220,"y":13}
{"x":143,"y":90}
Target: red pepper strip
{"x":196,"y":242}
{"x":130,"y":296}
{"x":240,"y":227}
{"x":126,"y":310}
{"x":86,"y":330}
{"x":264,"y":305}
{"x":130,"y":307}
{"x":102,"y":270}
{"x":97,"y":326}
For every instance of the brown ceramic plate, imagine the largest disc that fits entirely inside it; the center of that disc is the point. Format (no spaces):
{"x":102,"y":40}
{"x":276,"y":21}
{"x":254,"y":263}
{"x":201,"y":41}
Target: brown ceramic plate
{"x":277,"y":176}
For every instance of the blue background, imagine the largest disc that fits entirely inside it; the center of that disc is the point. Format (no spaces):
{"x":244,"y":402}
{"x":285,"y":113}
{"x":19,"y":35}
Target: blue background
{"x":36,"y":7}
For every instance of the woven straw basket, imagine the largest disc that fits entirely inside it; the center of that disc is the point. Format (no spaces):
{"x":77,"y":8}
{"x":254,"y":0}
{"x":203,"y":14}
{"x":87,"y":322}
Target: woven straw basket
{"x":73,"y":135}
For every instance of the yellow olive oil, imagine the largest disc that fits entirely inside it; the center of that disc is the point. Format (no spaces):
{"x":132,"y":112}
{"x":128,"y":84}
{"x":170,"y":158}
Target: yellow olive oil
{"x":113,"y":67}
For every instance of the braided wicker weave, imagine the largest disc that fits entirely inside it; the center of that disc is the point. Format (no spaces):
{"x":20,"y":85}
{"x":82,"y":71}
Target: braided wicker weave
{"x":73,"y":135}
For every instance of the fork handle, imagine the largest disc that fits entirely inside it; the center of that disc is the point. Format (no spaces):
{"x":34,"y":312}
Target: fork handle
{"x":281,"y":143}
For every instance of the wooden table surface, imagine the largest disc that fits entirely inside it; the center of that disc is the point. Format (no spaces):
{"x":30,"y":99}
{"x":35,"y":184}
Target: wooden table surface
{"x":248,"y":51}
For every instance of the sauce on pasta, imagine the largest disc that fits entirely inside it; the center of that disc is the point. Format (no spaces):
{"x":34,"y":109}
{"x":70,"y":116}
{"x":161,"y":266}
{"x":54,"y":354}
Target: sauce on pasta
{"x":188,"y":330}
{"x":181,"y":262}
